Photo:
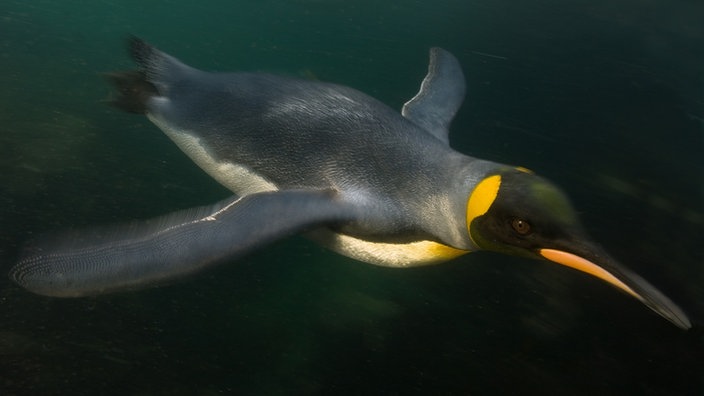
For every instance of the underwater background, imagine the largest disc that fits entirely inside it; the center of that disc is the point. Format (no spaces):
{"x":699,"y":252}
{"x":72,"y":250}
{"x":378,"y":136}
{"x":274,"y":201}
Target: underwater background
{"x":604,"y":97}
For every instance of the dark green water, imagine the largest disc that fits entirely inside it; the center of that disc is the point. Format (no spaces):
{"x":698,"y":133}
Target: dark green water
{"x":605,"y":97}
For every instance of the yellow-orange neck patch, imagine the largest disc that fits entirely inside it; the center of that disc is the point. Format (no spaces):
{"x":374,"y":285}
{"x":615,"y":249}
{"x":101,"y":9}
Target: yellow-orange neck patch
{"x":481,"y":198}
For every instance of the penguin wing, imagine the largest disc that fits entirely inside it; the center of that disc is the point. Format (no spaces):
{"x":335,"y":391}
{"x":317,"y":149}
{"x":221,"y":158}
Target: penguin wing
{"x":172,"y":246}
{"x":440,"y":96}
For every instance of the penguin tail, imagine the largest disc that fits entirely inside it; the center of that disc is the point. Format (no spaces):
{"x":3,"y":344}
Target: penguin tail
{"x":157,"y":72}
{"x":133,"y":91}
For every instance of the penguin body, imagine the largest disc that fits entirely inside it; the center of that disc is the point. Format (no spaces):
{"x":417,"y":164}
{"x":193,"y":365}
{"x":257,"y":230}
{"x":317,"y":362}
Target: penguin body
{"x":333,"y":163}
{"x":257,"y":132}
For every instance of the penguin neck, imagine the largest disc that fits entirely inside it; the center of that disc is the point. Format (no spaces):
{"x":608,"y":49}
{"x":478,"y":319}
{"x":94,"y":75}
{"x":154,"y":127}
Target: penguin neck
{"x":447,"y":216}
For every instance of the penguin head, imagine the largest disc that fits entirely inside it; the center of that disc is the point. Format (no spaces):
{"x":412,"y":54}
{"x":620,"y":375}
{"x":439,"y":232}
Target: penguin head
{"x":516,"y":212}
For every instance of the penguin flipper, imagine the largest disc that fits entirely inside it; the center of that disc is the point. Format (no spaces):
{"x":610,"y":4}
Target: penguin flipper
{"x":158,"y":250}
{"x":440,"y":96}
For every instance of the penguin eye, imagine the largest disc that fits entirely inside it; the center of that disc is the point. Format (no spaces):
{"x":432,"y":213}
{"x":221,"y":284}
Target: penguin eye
{"x":520,"y":226}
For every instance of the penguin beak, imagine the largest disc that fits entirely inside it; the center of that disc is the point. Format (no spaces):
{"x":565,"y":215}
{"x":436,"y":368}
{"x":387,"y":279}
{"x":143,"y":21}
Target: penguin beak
{"x":594,"y":261}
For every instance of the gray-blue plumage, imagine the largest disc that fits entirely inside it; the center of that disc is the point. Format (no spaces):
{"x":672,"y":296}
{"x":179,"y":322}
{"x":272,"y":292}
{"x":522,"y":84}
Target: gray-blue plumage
{"x":265,"y":134}
{"x":331,"y":162}
{"x":142,"y":254}
{"x":298,"y":133}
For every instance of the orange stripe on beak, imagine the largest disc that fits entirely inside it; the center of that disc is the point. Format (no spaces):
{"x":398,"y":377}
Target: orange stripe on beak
{"x":584,"y":265}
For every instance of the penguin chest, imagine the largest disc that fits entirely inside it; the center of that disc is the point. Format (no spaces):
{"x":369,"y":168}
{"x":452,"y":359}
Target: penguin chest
{"x":385,"y":254}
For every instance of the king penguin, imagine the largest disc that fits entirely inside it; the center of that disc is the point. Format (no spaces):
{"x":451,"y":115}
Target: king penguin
{"x":329,"y":162}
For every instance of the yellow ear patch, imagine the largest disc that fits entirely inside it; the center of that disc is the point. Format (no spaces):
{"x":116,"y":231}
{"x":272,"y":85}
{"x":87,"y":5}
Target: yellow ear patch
{"x":482,"y":197}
